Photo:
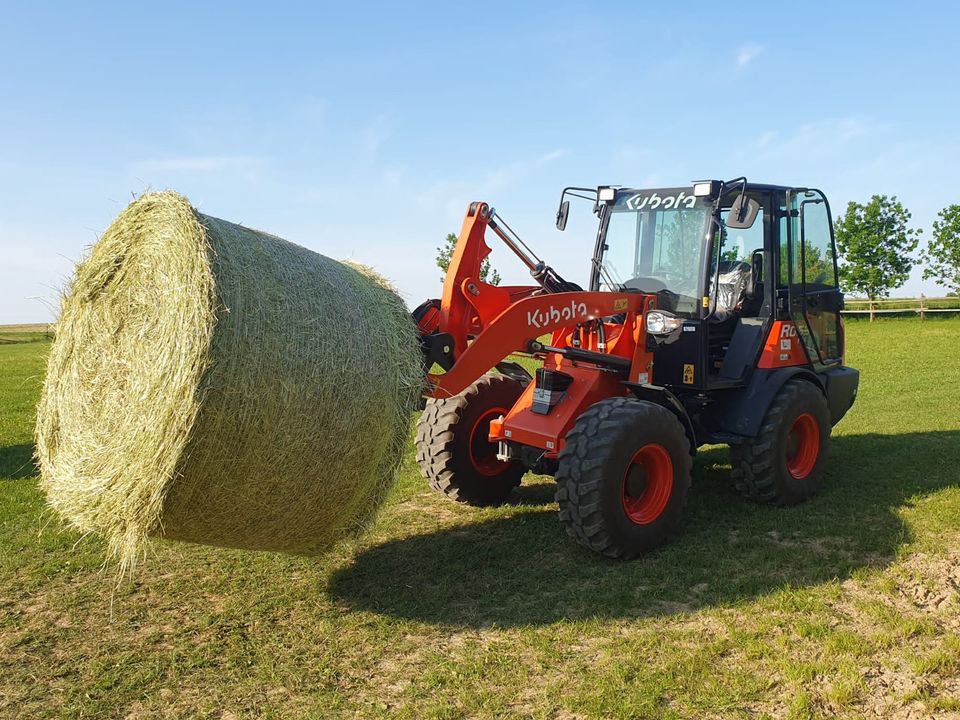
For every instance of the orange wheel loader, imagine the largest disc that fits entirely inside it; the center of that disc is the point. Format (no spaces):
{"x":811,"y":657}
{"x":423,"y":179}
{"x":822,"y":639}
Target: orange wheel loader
{"x":712,"y":316}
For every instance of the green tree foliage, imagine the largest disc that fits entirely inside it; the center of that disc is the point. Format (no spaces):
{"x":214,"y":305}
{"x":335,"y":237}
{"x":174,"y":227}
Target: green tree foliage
{"x":818,"y":266}
{"x":682,"y":233}
{"x":942,"y":255}
{"x":875,"y":242}
{"x":487,"y":272}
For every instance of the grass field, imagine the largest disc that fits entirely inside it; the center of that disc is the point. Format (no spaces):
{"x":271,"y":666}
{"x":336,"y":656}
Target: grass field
{"x":16,"y":334}
{"x":846,"y":606}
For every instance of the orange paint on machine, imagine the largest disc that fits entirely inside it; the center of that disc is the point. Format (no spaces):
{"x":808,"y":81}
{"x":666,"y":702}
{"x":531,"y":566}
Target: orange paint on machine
{"x":783,"y":347}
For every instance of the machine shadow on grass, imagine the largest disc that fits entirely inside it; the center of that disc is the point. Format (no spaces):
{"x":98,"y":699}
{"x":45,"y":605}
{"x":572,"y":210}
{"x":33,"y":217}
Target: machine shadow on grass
{"x":16,"y":462}
{"x":523,"y":570}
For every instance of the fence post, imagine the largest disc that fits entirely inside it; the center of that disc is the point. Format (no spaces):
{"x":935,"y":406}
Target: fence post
{"x":923,"y":305}
{"x":871,"y":309}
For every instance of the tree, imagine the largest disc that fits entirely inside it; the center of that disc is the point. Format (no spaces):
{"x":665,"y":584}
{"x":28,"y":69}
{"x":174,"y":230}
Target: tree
{"x":875,"y":242}
{"x":942,"y":255}
{"x":682,"y":235}
{"x":487,"y":273}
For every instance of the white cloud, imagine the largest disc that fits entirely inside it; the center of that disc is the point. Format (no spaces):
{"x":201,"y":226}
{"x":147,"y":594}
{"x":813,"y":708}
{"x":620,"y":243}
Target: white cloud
{"x":766,"y":139}
{"x":553,"y":155}
{"x":453,"y":195}
{"x":747,"y":54}
{"x":193,"y":164}
{"x":825,"y":138}
{"x":393,"y":175}
{"x":375,"y":135}
{"x":315,"y":109}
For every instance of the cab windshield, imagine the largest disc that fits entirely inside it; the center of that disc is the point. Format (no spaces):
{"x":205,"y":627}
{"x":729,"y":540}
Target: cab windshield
{"x":654,"y":243}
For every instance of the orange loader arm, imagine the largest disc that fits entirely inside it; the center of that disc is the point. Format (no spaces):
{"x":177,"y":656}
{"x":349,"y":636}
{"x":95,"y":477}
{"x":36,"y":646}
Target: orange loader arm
{"x":475,"y":325}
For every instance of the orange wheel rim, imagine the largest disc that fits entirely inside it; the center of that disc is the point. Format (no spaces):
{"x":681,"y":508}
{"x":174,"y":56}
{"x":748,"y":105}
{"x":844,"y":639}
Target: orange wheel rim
{"x":483,"y":453}
{"x":647,"y":484}
{"x":803,"y":446}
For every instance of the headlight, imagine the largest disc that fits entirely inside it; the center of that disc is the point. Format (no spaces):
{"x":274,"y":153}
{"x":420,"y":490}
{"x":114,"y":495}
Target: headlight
{"x":661,"y":323}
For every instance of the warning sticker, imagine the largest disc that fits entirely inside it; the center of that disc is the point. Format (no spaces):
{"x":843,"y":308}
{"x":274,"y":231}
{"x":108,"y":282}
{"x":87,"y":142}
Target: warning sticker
{"x":687,"y":374}
{"x":620,"y":304}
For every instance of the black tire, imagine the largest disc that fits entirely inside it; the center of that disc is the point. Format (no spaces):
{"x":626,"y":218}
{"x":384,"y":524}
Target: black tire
{"x":596,"y":469}
{"x":452,"y":450}
{"x":784,"y":464}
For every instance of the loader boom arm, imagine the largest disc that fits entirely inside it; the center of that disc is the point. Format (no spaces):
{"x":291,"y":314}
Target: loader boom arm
{"x":475,"y":325}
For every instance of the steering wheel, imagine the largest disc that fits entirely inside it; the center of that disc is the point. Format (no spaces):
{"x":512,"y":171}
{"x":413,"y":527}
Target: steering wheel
{"x":670,"y":275}
{"x":646,"y":284}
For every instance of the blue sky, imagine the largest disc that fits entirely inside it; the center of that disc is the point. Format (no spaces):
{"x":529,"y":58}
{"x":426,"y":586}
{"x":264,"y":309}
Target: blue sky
{"x":362,"y":130}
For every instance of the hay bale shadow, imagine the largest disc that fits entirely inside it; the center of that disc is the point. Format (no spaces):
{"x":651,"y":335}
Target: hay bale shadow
{"x":523,"y":570}
{"x":16,"y":462}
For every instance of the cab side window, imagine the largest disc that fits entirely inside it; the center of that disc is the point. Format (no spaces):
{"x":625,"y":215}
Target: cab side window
{"x":783,"y":276}
{"x":739,"y":244}
{"x":812,"y":260}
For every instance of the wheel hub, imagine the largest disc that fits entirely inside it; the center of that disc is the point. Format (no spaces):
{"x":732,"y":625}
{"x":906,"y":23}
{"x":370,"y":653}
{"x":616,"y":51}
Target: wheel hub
{"x":647,"y":484}
{"x":483,"y":453}
{"x":803,"y":446}
{"x":636,"y":481}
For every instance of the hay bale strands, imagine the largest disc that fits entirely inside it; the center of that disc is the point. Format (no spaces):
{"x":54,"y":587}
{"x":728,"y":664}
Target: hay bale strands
{"x":219,"y":385}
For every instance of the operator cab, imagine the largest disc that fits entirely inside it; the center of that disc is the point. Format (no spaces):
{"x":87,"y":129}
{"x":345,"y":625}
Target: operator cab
{"x":706,"y":252}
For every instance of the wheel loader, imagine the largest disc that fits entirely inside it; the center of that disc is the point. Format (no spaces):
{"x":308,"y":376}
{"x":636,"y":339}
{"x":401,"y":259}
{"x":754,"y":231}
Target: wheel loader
{"x":712,"y":317}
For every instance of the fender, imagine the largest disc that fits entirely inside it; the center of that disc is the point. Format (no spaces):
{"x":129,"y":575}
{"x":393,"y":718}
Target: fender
{"x":742,"y":412}
{"x":663,"y":397}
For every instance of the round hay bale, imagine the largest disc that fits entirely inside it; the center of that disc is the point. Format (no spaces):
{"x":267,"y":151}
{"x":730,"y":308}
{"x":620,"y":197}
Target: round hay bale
{"x":219,"y":385}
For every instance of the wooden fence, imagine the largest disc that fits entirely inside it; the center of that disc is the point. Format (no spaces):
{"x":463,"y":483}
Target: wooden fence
{"x":902,"y":306}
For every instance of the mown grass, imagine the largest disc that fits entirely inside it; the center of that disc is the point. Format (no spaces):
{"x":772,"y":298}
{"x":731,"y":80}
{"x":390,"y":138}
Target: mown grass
{"x":845,"y":606}
{"x":19,"y":334}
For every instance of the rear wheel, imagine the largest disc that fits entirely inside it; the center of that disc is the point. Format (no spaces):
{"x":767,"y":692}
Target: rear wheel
{"x":784,"y":464}
{"x":453,"y":449}
{"x":622,"y":477}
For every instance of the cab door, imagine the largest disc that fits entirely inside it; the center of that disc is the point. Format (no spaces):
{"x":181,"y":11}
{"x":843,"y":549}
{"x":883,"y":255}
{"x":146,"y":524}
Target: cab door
{"x":815,"y":299}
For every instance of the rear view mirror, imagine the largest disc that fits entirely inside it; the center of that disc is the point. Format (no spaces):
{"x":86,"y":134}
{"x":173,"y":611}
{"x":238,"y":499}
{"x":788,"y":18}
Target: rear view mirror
{"x":562,"y":212}
{"x":743,"y":213}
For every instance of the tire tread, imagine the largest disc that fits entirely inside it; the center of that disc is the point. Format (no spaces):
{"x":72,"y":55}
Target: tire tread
{"x":435,"y":441}
{"x":580,"y":473}
{"x":752,"y":467}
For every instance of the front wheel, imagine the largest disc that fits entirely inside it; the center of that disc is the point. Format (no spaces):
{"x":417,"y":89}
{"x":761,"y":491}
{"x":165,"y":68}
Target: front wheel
{"x":783,"y":465}
{"x":453,"y":448}
{"x":622,"y":477}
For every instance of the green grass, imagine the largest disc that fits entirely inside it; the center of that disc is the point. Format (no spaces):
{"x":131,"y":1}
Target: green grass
{"x":18,"y":334}
{"x":845,"y":606}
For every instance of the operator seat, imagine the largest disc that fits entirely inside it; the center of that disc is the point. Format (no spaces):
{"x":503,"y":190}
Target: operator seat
{"x":734,"y":285}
